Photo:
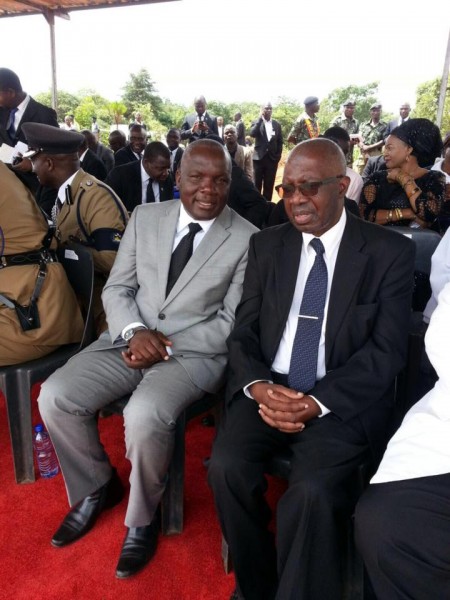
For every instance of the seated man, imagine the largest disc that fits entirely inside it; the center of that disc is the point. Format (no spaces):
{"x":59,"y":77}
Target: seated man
{"x":402,"y":522}
{"x":168,"y":325}
{"x":144,"y":181}
{"x":320,"y":335}
{"x":25,"y":252}
{"x":85,"y":209}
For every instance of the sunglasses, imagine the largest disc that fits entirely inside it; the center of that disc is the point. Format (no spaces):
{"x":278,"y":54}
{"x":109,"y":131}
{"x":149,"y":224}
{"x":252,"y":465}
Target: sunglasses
{"x":308,"y":188}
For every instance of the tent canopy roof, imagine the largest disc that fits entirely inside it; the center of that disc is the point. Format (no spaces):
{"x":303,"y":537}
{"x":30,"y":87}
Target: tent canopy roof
{"x":13,"y":8}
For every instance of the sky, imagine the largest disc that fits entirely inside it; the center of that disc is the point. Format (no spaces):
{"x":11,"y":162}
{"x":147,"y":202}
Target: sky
{"x":236,"y":50}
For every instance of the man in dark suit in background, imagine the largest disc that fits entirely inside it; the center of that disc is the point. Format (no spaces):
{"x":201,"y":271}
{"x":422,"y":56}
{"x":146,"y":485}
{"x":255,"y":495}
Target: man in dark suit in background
{"x":142,"y":182}
{"x":18,"y":107}
{"x":240,"y":128}
{"x":320,"y":335}
{"x":173,"y":139}
{"x":89,"y":161}
{"x":267,"y":152}
{"x":134,"y":149}
{"x":405,"y":109}
{"x":199,"y":124}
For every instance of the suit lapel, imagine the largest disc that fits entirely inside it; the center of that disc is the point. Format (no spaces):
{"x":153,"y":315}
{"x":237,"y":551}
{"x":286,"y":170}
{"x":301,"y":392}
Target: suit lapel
{"x":350,"y":268}
{"x":215,"y":237}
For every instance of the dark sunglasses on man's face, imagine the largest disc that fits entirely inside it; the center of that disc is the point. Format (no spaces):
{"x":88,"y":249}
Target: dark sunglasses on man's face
{"x":308,"y":188}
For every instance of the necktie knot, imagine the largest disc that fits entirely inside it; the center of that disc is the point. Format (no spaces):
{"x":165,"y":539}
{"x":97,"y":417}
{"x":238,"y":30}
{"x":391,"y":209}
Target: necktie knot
{"x":194,"y":228}
{"x":317,"y":244}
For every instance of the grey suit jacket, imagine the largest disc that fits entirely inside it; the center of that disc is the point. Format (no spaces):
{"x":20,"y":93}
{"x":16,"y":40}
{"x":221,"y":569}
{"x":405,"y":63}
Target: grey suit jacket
{"x":198,"y":314}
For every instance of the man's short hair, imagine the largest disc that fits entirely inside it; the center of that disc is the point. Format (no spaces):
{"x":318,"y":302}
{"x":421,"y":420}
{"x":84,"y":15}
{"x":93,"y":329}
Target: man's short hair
{"x":155,"y":149}
{"x":336,"y":133}
{"x":9,"y":80}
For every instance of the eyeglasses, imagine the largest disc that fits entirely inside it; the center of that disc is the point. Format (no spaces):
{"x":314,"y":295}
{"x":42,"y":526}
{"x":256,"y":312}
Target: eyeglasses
{"x":308,"y":188}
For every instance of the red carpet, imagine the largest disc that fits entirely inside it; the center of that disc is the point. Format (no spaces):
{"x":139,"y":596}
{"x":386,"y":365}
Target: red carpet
{"x":186,"y":567}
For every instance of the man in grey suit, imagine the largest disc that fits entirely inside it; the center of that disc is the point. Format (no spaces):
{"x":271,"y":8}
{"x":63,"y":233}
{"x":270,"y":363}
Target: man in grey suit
{"x":165,"y":345}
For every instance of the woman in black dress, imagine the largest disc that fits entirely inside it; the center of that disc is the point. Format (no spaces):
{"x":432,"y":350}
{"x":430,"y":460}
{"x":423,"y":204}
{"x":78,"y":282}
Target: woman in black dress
{"x":407,"y":193}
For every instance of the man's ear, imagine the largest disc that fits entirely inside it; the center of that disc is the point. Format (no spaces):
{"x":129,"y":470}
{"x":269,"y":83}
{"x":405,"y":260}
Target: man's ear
{"x":178,"y":176}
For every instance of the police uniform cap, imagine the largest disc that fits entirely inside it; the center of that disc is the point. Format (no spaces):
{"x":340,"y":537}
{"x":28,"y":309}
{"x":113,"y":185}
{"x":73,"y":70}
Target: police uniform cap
{"x":310,"y":100}
{"x":50,"y":140}
{"x":349,"y":102}
{"x":375,"y":105}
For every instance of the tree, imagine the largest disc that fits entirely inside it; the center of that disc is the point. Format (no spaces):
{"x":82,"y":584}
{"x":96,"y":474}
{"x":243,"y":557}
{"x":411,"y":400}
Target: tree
{"x":172,"y":115}
{"x":427,"y":103}
{"x":67,"y":103}
{"x":91,"y":106}
{"x":364,"y":96}
{"x":140,"y":90}
{"x":286,"y":111}
{"x":117,"y":110}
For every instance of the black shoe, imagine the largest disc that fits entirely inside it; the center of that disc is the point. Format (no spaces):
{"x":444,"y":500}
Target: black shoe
{"x":80,"y":519}
{"x":138,"y":549}
{"x":235,"y":596}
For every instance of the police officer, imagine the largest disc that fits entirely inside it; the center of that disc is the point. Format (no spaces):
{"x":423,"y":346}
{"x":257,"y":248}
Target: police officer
{"x":86,"y":210}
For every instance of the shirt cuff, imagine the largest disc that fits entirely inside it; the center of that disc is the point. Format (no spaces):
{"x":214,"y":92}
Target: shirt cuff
{"x":246,"y":391}
{"x":323,"y":408}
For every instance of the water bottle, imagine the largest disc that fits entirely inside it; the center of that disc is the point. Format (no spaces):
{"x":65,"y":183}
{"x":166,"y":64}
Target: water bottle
{"x":45,"y":453}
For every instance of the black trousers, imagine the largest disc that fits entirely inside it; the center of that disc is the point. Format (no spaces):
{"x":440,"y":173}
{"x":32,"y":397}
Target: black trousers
{"x":311,"y":515}
{"x":402,"y":529}
{"x":264,"y":173}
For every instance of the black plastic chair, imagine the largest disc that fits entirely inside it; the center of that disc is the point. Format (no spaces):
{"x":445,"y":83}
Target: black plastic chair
{"x":16,"y":381}
{"x":172,"y":503}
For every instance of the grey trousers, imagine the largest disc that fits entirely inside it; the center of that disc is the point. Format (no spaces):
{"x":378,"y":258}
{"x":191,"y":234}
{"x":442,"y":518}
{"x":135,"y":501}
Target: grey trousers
{"x":72,"y":396}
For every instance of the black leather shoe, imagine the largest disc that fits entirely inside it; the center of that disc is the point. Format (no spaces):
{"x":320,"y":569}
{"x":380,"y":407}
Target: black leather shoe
{"x":82,"y":517}
{"x":138,"y":549}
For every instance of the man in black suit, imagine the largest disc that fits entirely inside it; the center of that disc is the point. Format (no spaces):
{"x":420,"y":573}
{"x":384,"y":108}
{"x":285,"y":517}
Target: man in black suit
{"x":173,"y":139}
{"x":267,"y":151}
{"x":240,"y":128}
{"x":141,"y":182}
{"x":17,"y":107}
{"x":405,"y":109}
{"x":347,"y":350}
{"x":199,"y":124}
{"x":134,"y":149}
{"x":89,"y":161}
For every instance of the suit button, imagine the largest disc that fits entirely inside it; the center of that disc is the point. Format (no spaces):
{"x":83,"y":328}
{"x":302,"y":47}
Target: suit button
{"x":161,"y":316}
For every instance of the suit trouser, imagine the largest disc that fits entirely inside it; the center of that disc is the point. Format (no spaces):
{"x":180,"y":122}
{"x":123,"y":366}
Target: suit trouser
{"x":69,"y":402}
{"x":402,"y":529}
{"x":311,"y":515}
{"x":265,"y":171}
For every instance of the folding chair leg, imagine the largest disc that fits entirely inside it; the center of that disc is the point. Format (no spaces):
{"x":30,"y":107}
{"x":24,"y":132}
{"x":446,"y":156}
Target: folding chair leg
{"x":18,"y":405}
{"x":172,"y":508}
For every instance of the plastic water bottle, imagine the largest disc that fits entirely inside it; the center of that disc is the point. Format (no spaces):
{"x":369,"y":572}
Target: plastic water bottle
{"x":45,"y":453}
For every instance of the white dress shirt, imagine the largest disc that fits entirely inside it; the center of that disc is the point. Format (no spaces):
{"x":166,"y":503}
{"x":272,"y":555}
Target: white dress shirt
{"x":155,"y":186}
{"x":356,"y":185}
{"x":421,"y":446}
{"x":21,"y":108}
{"x":440,"y":274}
{"x":331,"y":240}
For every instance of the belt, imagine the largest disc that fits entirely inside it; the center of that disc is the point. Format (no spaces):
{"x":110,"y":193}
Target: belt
{"x":28,"y":258}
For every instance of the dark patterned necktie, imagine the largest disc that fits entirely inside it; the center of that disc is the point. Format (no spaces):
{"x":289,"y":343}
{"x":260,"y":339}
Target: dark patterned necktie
{"x":181,"y":255}
{"x":303,"y":366}
{"x":10,"y":126}
{"x":150,"y":196}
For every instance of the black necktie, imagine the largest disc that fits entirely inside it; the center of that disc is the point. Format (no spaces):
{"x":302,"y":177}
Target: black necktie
{"x":150,"y":195}
{"x":10,"y":127}
{"x":303,"y":367}
{"x":181,"y":255}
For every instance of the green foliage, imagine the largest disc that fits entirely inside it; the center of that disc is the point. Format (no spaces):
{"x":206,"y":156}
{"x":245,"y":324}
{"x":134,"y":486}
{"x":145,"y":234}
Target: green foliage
{"x":427,"y":103}
{"x":285,"y":112}
{"x":363,"y":95}
{"x":172,"y":115}
{"x":91,"y":106}
{"x":67,"y":103}
{"x":140,"y":91}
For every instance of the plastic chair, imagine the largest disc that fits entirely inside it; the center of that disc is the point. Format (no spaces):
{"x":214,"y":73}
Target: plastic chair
{"x":172,"y":503}
{"x":16,"y":381}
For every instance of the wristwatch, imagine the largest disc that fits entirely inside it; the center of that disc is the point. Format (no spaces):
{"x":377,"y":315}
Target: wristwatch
{"x":131,"y":332}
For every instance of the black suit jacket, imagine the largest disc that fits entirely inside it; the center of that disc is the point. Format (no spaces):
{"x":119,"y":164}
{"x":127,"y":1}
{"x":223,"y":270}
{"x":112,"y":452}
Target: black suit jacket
{"x":263,"y":146}
{"x":240,"y":132}
{"x":126,"y":181}
{"x":367,"y":320}
{"x":35,"y":112}
{"x":186,"y":133}
{"x":245,"y":199}
{"x":177,"y":160}
{"x":124,"y":155}
{"x":93,"y":165}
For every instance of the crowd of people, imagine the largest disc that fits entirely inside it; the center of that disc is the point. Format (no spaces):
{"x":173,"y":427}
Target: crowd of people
{"x":299,"y":308}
